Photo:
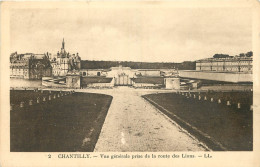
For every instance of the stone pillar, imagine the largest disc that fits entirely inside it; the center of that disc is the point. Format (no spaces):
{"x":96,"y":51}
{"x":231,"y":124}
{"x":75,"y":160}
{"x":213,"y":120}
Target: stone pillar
{"x":30,"y":102}
{"x":38,"y":100}
{"x":176,"y":83}
{"x":211,"y":99}
{"x":22,"y":104}
{"x":44,"y":99}
{"x":49,"y":97}
{"x":199,"y":97}
{"x":205,"y":98}
{"x":219,"y":101}
{"x":73,"y":80}
{"x":172,"y":83}
{"x":238,"y":105}
{"x":228,"y":103}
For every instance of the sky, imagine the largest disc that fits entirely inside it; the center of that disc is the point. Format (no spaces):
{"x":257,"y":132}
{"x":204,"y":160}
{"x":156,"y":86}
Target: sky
{"x":156,"y":34}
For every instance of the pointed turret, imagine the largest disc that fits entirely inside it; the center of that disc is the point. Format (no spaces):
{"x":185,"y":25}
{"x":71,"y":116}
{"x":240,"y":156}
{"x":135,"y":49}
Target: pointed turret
{"x":63,"y":44}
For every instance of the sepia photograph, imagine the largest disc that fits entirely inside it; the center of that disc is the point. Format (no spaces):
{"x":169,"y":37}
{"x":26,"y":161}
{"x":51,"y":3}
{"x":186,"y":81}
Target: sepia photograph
{"x":149,"y":76}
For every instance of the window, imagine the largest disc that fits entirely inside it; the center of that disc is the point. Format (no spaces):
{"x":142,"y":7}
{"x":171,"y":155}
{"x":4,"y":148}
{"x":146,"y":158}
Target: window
{"x":84,"y":74}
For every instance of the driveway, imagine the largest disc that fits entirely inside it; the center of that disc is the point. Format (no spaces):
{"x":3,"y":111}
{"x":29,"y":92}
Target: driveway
{"x":132,"y":124}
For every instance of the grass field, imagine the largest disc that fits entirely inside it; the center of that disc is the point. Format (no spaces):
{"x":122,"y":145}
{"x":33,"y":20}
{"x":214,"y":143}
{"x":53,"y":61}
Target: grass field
{"x":151,"y":80}
{"x":65,"y":124}
{"x":220,"y":126}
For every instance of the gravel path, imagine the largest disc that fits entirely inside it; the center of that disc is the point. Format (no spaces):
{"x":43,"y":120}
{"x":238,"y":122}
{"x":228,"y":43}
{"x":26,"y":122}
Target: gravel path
{"x":132,"y":124}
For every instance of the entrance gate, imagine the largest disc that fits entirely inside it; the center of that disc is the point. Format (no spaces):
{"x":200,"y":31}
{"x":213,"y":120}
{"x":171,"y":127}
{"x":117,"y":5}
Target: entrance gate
{"x":123,"y":80}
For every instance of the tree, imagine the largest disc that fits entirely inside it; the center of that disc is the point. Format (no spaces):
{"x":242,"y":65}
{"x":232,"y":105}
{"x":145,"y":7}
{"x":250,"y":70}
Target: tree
{"x":221,"y":56}
{"x":249,"y":54}
{"x":242,"y":55}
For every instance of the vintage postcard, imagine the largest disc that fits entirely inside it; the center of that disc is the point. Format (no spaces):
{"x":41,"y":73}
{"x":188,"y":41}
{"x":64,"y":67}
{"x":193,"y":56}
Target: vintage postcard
{"x":121,"y":83}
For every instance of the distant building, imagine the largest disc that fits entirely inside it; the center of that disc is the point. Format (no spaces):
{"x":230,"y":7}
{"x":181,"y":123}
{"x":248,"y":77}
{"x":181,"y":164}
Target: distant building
{"x":63,"y":62}
{"x":36,"y":66}
{"x":234,"y":64}
{"x":29,"y":65}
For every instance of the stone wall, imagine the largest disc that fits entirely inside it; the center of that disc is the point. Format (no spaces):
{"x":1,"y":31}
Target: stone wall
{"x":149,"y":72}
{"x":150,"y":80}
{"x":96,"y":81}
{"x":73,"y":81}
{"x":143,"y":85}
{"x":218,"y":76}
{"x":100,"y":85}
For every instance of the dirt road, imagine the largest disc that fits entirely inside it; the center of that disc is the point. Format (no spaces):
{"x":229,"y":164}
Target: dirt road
{"x":132,"y":124}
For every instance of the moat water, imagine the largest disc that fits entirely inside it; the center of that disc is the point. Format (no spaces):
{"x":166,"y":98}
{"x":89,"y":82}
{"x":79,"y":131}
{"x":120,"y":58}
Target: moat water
{"x":16,"y":82}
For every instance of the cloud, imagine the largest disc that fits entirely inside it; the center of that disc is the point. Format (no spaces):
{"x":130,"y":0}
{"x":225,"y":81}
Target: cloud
{"x":135,"y":34}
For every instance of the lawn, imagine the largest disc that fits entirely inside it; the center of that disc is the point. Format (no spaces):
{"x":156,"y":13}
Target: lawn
{"x":17,"y":96}
{"x":220,"y":126}
{"x":66,"y":124}
{"x":151,"y":80}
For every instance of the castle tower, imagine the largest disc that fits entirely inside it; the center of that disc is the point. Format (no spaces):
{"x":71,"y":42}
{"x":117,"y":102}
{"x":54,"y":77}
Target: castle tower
{"x":63,"y":48}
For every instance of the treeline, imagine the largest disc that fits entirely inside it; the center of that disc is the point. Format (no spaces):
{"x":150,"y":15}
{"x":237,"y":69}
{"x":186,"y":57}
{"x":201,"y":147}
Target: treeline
{"x":187,"y":65}
{"x":248,"y":54}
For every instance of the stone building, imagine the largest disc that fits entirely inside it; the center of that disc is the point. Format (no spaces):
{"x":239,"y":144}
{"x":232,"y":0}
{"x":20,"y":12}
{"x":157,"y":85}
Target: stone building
{"x":29,"y":65}
{"x":234,"y":64}
{"x":63,"y":62}
{"x":36,"y":66}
